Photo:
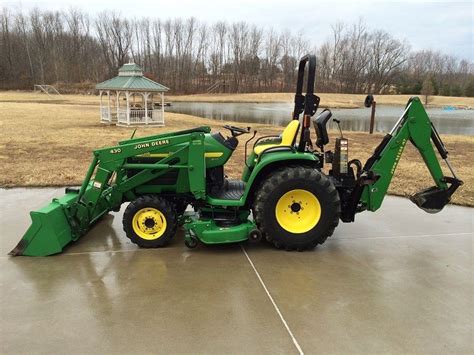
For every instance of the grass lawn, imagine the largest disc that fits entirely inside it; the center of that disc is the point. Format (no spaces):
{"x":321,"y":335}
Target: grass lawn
{"x":46,"y":142}
{"x":327,"y":100}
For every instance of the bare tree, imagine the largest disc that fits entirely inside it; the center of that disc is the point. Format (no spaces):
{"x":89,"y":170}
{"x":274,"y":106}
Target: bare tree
{"x":192,"y":56}
{"x":427,"y":89}
{"x":387,"y":56}
{"x":238,"y":41}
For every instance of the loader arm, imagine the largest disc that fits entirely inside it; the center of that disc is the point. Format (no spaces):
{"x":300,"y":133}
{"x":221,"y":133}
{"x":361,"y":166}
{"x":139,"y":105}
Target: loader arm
{"x":107,"y":185}
{"x":374,"y":180}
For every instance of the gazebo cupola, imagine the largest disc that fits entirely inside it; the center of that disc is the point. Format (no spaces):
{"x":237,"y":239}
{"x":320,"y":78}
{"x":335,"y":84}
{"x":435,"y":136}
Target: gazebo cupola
{"x":130,"y":98}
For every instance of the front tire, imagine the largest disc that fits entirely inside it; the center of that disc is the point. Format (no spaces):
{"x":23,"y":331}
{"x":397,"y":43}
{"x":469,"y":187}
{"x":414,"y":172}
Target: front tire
{"x":149,"y":221}
{"x":297,"y":208}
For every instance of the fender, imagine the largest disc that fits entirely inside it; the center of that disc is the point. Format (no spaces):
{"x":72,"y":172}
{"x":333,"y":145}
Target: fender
{"x":268,"y":162}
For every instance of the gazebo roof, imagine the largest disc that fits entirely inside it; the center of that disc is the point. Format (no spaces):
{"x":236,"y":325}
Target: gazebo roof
{"x":130,"y":77}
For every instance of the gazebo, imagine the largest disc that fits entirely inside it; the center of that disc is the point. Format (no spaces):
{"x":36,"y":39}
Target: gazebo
{"x":129,"y":99}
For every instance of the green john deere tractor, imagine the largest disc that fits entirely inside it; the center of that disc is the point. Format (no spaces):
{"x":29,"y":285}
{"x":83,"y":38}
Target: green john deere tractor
{"x":295,"y":205}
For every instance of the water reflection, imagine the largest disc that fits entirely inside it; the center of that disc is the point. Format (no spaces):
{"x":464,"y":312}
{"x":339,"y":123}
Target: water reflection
{"x":446,"y":121}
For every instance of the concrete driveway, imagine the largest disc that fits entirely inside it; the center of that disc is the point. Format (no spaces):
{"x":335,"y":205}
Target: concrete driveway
{"x":399,"y":280}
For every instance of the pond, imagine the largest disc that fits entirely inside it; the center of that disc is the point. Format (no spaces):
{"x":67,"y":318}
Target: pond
{"x":447,"y":121}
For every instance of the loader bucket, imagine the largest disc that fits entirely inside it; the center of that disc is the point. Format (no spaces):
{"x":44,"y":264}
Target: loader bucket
{"x":49,"y":231}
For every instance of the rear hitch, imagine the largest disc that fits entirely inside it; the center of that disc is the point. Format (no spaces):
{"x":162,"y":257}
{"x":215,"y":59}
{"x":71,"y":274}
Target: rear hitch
{"x":433,"y":199}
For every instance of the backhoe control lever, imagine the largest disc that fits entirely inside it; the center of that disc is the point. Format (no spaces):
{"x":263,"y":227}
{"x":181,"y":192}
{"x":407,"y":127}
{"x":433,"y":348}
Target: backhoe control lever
{"x":338,"y":122}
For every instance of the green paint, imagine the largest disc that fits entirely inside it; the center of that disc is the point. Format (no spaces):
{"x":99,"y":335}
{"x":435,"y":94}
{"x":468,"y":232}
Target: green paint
{"x":415,"y":127}
{"x":130,"y":169}
{"x":66,"y":219}
{"x":50,"y":230}
{"x":208,"y":232}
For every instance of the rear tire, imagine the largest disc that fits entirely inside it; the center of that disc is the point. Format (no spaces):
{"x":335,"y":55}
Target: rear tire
{"x":297,"y":208}
{"x":149,"y":221}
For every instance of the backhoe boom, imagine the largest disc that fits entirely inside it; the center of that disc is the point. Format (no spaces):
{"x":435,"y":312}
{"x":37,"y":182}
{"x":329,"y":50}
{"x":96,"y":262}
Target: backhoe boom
{"x":415,"y":126}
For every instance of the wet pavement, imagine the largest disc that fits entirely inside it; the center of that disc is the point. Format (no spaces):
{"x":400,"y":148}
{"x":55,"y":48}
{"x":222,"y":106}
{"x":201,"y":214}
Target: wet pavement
{"x":399,"y":280}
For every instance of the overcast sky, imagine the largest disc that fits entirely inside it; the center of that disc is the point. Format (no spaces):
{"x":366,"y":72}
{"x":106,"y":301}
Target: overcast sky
{"x":443,"y":25}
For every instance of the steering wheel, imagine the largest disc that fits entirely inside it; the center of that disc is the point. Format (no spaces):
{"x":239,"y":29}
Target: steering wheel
{"x":237,"y":131}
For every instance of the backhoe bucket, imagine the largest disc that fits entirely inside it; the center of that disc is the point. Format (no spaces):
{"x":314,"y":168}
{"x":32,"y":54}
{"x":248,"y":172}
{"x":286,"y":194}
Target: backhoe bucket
{"x":431,"y":200}
{"x":49,"y":231}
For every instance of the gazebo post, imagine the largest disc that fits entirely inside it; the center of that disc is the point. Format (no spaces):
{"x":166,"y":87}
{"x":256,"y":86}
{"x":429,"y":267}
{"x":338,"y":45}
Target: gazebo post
{"x":109,"y":115}
{"x":118,"y":105}
{"x":162,"y":108}
{"x":152,"y":97}
{"x":127,"y":95}
{"x":100,"y":100}
{"x":145,"y":97}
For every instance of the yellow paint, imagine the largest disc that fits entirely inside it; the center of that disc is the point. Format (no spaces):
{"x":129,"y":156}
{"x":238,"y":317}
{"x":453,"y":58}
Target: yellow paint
{"x":304,"y":215}
{"x":213,"y":154}
{"x":164,"y":155}
{"x":287,"y":137}
{"x":155,"y":155}
{"x":156,"y":220}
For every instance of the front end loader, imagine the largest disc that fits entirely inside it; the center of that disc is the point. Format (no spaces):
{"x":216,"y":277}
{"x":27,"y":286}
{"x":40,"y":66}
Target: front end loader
{"x":284,"y":195}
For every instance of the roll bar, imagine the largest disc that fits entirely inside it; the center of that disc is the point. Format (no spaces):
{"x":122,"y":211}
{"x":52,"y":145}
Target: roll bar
{"x":307,"y":104}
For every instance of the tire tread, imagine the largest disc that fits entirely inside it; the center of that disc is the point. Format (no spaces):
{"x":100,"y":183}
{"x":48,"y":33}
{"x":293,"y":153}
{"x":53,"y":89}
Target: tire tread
{"x":280,"y":177}
{"x":153,"y":201}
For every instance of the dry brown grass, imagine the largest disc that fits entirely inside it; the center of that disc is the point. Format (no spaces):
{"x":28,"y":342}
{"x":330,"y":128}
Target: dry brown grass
{"x":44,"y":144}
{"x":327,"y":100}
{"x":37,"y":97}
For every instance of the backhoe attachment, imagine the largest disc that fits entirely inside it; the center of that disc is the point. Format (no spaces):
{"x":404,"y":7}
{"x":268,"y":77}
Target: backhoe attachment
{"x":415,"y":126}
{"x":366,"y":189}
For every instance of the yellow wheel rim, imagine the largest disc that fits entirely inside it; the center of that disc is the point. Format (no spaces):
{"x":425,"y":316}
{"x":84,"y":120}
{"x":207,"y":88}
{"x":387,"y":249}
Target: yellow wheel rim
{"x":298,"y":211}
{"x":149,"y":223}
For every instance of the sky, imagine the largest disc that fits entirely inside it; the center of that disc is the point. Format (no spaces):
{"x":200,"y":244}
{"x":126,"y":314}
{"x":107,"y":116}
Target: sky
{"x":440,"y":25}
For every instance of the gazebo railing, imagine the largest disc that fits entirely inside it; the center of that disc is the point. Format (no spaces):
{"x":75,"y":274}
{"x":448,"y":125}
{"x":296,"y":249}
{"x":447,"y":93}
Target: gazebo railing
{"x":157,"y":116}
{"x":105,"y":114}
{"x":138,"y":116}
{"x":122,"y":116}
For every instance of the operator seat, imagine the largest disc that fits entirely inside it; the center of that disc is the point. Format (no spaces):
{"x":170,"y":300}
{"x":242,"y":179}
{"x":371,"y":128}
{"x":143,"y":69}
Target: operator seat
{"x":286,"y":139}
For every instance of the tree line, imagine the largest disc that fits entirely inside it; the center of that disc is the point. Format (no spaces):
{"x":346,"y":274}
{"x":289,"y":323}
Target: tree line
{"x":76,"y":50}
